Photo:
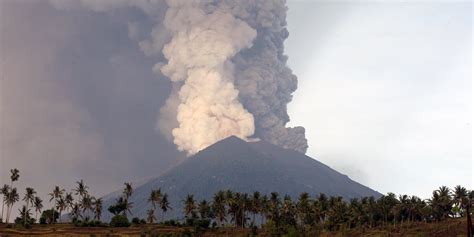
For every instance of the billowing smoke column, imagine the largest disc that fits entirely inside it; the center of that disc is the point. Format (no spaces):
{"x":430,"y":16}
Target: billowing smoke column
{"x":198,"y":55}
{"x":264,"y":82}
{"x":226,"y":61}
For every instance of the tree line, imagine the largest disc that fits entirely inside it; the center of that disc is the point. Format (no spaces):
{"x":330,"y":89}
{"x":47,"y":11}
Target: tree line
{"x":227,"y":208}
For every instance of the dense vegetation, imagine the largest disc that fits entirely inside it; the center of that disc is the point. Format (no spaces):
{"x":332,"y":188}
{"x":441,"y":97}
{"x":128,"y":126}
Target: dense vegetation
{"x":276,"y":214}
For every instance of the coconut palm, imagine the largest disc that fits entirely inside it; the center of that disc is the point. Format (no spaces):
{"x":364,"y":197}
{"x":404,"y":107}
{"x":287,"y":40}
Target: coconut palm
{"x":97,"y":208}
{"x":75,"y":211}
{"x":4,"y":191}
{"x":151,"y":218}
{"x":204,"y":209}
{"x":218,"y":207}
{"x":55,"y":195}
{"x":81,"y":189}
{"x":38,"y":204}
{"x":25,"y":215}
{"x":128,"y":190}
{"x":256,"y":205}
{"x":69,"y":199}
{"x":303,"y":209}
{"x":233,"y":204}
{"x":165,"y":204}
{"x":12,"y":197}
{"x":28,"y":198}
{"x":189,"y":206}
{"x":155,"y":197}
{"x":274,"y":207}
{"x":288,"y":211}
{"x":61,"y":205}
{"x":86,"y":204}
{"x":461,"y":199}
{"x":15,"y":175}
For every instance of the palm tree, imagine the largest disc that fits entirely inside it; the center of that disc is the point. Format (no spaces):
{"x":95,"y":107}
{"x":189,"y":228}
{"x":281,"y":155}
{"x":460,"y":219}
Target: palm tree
{"x":218,"y":207}
{"x":288,"y":211}
{"x":128,"y":190}
{"x":265,"y":208}
{"x":245,"y":205}
{"x":165,"y":204}
{"x":69,"y":201}
{"x":461,"y":198}
{"x":256,"y":205}
{"x":4,"y":191}
{"x":28,"y":198}
{"x":155,"y":198}
{"x":189,"y":206}
{"x":86,"y":204}
{"x":81,"y":189}
{"x":204,"y":209}
{"x":274,"y":207}
{"x":441,"y":203}
{"x":446,"y":201}
{"x":55,"y":195}
{"x":97,"y":208}
{"x":75,"y":211}
{"x":233,"y":203}
{"x":38,"y":204}
{"x":15,"y":175}
{"x":303,"y":209}
{"x":25,"y":214}
{"x":61,"y":205}
{"x":12,"y":197}
{"x":151,"y":218}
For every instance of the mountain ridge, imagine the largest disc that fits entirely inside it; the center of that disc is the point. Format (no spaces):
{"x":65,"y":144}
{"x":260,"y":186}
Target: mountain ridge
{"x":243,"y":167}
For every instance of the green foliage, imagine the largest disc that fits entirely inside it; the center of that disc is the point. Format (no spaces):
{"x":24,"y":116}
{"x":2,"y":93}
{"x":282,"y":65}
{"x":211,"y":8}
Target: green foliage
{"x":119,"y":221}
{"x":171,"y":222}
{"x":49,"y":216}
{"x":87,"y":223}
{"x":136,"y":220}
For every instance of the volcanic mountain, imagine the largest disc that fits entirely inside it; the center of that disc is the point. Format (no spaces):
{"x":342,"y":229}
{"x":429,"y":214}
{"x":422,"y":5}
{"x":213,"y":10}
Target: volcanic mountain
{"x":243,"y":167}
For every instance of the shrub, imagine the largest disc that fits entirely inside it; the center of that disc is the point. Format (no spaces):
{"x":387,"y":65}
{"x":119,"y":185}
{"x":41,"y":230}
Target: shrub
{"x":171,"y":222}
{"x":136,"y":220}
{"x":119,"y":221}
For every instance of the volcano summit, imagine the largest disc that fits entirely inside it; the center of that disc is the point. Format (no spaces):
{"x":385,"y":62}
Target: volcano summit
{"x":244,"y":167}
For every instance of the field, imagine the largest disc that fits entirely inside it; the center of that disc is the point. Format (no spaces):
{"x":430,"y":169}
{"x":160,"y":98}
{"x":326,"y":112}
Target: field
{"x":452,"y":227}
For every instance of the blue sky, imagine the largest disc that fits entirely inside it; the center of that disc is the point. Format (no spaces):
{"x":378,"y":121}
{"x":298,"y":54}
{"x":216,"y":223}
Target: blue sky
{"x":385,"y":90}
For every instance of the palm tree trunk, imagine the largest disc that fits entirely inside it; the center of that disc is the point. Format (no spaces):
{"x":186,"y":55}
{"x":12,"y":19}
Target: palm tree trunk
{"x":24,"y":218}
{"x":3,"y":204}
{"x":8,"y":212}
{"x":469,"y":221}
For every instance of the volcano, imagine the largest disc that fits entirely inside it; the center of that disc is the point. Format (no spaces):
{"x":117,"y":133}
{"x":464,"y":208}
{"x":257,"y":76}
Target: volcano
{"x":243,"y":166}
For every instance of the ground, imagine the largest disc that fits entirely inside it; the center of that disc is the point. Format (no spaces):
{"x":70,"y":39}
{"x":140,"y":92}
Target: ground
{"x":453,"y":227}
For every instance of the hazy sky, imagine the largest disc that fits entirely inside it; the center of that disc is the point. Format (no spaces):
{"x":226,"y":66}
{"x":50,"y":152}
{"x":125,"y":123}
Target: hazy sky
{"x":384,"y":94}
{"x":385,"y":90}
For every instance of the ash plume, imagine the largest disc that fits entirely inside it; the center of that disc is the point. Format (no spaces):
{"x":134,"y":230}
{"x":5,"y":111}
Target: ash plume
{"x":226,"y":62}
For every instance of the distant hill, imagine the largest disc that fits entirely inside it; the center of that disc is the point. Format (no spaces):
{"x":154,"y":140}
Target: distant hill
{"x":243,"y":167}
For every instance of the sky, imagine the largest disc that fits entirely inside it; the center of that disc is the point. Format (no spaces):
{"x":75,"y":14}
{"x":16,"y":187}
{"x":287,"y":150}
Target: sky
{"x":385,"y":94}
{"x":385,"y":90}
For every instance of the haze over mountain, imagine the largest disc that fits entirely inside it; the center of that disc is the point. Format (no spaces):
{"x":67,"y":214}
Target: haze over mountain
{"x":243,"y":167}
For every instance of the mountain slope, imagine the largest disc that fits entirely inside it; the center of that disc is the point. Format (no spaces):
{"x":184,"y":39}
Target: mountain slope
{"x":244,"y":167}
